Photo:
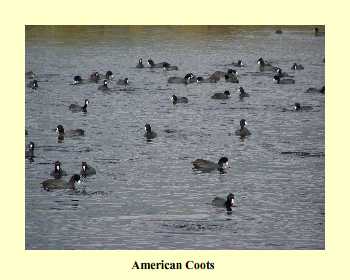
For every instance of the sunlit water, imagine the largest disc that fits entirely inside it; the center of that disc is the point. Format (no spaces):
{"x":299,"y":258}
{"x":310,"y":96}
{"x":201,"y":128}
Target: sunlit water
{"x":150,"y":197}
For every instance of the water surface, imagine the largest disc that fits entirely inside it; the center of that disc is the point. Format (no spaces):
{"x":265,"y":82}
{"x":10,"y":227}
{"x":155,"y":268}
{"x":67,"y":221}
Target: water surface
{"x":150,"y":198}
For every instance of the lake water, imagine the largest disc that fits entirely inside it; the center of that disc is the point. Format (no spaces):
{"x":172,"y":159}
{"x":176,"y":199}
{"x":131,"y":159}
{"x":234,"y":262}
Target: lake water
{"x":149,"y":197}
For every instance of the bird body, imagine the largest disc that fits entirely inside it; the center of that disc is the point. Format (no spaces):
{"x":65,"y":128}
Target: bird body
{"x":59,"y":184}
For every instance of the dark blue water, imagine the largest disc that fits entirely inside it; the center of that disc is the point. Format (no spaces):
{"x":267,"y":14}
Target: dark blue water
{"x":149,"y":196}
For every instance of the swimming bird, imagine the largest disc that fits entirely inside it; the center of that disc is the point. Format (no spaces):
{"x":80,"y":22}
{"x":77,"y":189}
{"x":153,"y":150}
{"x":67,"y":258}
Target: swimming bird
{"x":221,"y":95}
{"x":77,"y":108}
{"x":123,"y":82}
{"x":298,"y":107}
{"x":157,"y":65}
{"x":149,"y":134}
{"x":231,"y":78}
{"x":109,"y":75}
{"x":70,"y":133}
{"x":265,"y":66}
{"x":29,"y":154}
{"x":188,"y":78}
{"x":232,"y":72}
{"x":167,"y":67}
{"x":95,"y":77}
{"x":201,"y":80}
{"x":59,"y":184}
{"x":87,"y":170}
{"x":242,"y":93}
{"x":278,"y":80}
{"x":178,"y":99}
{"x":104,"y":87}
{"x":243,"y":131}
{"x":33,"y":84}
{"x":77,"y":80}
{"x":228,"y":203}
{"x":229,"y":75}
{"x":239,"y":63}
{"x":281,"y":74}
{"x":315,"y":90}
{"x":208,"y":166}
{"x":58,"y":172}
{"x":140,"y":64}
{"x":296,"y":66}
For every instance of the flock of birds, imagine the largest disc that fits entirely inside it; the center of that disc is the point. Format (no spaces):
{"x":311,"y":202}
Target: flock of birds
{"x":202,"y":165}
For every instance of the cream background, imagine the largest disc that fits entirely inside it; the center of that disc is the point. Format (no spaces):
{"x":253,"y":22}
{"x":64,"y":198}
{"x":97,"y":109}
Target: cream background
{"x":17,"y":263}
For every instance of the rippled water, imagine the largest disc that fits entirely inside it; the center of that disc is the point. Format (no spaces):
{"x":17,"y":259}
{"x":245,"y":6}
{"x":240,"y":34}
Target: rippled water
{"x":150,"y":198}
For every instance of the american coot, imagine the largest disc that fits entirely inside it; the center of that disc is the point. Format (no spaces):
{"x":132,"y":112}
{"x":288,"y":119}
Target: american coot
{"x":140,"y":64}
{"x":316,"y":90}
{"x":242,"y":93}
{"x":104,"y":87}
{"x":188,"y":78}
{"x":179,"y":99}
{"x":58,"y":172}
{"x":229,"y":75}
{"x":265,"y":66}
{"x":278,"y":31}
{"x":170,"y":67}
{"x":232,"y":72}
{"x":239,"y":63}
{"x":33,"y":84}
{"x":123,"y":82}
{"x":95,"y":77}
{"x":228,"y":203}
{"x":157,"y":65}
{"x":298,"y":107}
{"x":221,"y":95}
{"x":243,"y":131}
{"x":57,"y":184}
{"x":77,"y":80}
{"x":281,"y":74}
{"x":77,"y":108}
{"x":109,"y":75}
{"x":87,"y":170}
{"x":201,"y":80}
{"x":278,"y":80}
{"x":208,"y":166}
{"x":70,"y":133}
{"x":231,"y":78}
{"x":149,"y":134}
{"x":30,"y":152}
{"x":296,"y":66}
